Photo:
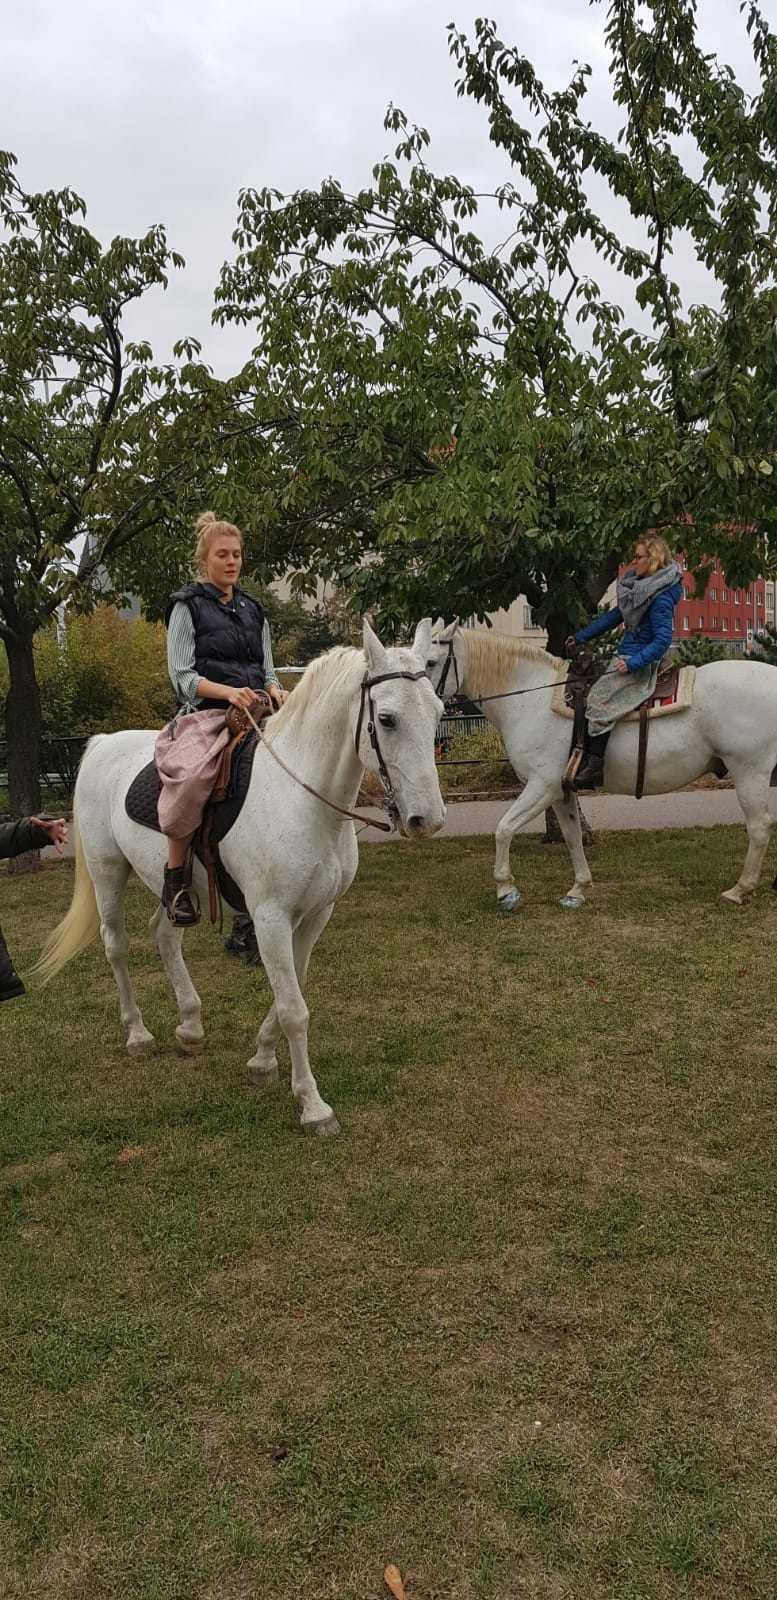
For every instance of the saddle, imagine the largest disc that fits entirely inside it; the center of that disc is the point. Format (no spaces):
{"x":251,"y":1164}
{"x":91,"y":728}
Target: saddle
{"x":673,"y":691}
{"x":222,"y":808}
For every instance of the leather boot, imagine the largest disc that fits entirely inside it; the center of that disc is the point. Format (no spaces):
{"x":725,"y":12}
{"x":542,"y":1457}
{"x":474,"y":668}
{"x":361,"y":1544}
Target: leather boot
{"x":11,"y":985}
{"x":179,"y":899}
{"x":242,"y":941}
{"x":590,"y":773}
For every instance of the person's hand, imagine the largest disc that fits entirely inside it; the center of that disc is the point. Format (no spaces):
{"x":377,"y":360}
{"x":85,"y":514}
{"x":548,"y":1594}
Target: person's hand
{"x":244,"y":698}
{"x":621,"y":664}
{"x":57,"y":831}
{"x":571,"y":647}
{"x":278,"y":695}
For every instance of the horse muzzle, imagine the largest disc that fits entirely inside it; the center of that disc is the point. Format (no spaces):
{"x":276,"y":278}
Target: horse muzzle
{"x":422,"y":825}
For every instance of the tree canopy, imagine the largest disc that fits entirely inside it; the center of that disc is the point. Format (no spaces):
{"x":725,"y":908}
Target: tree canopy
{"x":102,"y":449}
{"x":386,"y":317}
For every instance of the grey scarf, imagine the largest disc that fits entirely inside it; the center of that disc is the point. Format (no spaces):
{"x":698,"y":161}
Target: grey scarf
{"x":635,"y":594}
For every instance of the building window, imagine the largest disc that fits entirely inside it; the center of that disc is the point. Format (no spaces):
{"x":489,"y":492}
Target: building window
{"x":738,"y":626}
{"x":686,"y":625}
{"x":528,"y":621}
{"x":701,"y":622}
{"x":736,"y":597}
{"x":761,"y":601}
{"x":724,"y":624}
{"x":748,"y":596}
{"x":713,"y":594}
{"x":724,"y":596}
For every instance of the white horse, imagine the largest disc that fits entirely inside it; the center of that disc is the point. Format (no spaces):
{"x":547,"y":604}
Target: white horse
{"x":291,"y":854}
{"x":732,"y":720}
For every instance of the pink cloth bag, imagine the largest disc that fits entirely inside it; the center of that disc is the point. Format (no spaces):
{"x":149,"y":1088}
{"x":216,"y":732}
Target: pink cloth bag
{"x":187,"y":754}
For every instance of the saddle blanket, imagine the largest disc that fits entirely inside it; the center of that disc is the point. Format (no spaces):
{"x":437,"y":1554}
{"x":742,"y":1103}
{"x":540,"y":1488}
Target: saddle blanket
{"x":659,"y":706}
{"x":141,"y":805}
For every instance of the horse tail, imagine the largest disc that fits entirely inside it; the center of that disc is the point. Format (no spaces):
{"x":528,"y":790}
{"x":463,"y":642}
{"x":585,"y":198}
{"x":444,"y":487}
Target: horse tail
{"x":80,"y":924}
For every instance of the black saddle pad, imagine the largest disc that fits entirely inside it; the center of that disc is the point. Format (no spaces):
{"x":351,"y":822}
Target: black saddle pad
{"x":142,"y":805}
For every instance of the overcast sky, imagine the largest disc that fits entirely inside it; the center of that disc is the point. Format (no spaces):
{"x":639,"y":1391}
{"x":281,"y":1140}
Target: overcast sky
{"x":161,"y":112}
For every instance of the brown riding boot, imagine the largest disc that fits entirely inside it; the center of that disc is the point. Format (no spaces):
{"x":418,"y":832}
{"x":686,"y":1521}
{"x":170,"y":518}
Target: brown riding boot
{"x":179,"y":898}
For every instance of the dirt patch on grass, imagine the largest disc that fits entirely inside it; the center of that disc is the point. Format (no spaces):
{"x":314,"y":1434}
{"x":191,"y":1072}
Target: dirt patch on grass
{"x":30,"y":1171}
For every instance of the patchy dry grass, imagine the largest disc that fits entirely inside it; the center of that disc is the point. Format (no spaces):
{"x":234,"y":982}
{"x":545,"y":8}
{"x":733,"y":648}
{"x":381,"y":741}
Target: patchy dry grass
{"x":514,"y":1330}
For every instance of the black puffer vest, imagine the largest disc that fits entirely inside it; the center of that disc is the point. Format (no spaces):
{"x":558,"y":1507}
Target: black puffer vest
{"x":228,"y":639}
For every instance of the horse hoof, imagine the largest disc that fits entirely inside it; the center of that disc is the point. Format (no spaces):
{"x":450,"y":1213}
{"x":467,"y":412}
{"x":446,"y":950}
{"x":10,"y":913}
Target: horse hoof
{"x":509,"y":902}
{"x":187,"y":1045}
{"x":262,"y":1077}
{"x":142,"y":1041}
{"x":572,"y":902}
{"x":324,"y":1129}
{"x":735,"y":897}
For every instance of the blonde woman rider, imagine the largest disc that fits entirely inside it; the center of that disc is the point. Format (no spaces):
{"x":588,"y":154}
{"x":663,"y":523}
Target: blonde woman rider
{"x":219,"y":654}
{"x":647,"y":594}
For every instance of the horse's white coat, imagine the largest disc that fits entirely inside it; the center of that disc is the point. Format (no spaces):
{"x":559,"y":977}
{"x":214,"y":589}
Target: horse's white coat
{"x":733,"y":717}
{"x":291,"y":855}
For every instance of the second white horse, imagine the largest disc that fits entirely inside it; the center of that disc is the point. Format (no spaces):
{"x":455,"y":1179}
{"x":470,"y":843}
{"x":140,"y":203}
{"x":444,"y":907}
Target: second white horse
{"x":733,"y":719}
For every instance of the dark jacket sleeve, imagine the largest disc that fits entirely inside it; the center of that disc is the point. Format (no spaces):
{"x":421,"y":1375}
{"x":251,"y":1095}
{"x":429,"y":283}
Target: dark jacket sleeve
{"x":660,"y":617}
{"x":602,"y":624}
{"x":16,"y":837}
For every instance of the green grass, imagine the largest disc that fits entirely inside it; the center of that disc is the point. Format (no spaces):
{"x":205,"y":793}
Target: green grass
{"x":514,"y":1330}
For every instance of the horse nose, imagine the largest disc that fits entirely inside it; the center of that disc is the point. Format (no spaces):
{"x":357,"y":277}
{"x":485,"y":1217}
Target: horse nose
{"x":416,"y":824}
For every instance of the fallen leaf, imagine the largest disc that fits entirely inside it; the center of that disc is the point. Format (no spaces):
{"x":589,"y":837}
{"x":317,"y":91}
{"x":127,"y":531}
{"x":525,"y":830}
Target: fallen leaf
{"x":131,"y":1152}
{"x":392,"y":1578}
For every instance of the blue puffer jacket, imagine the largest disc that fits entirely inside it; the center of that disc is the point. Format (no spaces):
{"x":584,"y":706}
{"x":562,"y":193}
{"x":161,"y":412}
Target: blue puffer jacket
{"x":647,"y":643}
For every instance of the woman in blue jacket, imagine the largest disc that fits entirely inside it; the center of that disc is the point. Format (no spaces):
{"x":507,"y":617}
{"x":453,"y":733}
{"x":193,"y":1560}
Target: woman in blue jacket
{"x":647,"y":595}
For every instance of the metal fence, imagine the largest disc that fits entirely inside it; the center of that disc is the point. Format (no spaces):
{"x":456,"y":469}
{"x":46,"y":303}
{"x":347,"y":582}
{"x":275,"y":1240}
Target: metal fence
{"x":61,"y":756}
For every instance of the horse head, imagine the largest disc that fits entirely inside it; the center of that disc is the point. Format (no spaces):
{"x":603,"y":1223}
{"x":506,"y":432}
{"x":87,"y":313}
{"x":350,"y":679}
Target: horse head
{"x":395,"y":733}
{"x":445,"y":660}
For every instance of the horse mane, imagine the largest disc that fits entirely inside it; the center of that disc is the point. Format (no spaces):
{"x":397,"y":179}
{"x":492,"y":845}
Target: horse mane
{"x":335,"y":666}
{"x":491,"y":657}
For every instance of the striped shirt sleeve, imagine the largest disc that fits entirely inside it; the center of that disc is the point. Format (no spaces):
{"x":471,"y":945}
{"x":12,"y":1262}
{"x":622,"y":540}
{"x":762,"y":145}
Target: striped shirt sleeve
{"x":181,"y":655}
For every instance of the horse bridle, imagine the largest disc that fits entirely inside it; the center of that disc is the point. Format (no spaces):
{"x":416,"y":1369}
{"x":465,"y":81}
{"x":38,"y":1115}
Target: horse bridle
{"x":367,"y":686}
{"x":450,"y":661}
{"x":366,"y":701}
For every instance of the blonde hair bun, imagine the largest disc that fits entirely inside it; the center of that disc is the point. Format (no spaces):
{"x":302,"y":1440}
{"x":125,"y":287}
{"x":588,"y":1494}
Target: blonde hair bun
{"x":207,"y":528}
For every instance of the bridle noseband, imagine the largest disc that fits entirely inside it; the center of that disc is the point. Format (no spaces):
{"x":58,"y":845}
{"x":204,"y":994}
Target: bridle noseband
{"x":368,"y":684}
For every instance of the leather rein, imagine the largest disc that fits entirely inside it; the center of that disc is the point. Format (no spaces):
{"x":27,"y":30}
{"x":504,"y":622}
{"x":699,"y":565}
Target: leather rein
{"x":367,"y":685}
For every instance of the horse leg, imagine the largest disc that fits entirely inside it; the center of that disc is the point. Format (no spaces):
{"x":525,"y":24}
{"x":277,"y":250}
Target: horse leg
{"x":169,"y":939}
{"x":263,"y":1066}
{"x":110,"y":882}
{"x":285,"y":959}
{"x":753,"y":796}
{"x":534,"y":799}
{"x":568,"y":814}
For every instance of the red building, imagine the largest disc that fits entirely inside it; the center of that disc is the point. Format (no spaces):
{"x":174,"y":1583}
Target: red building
{"x":731,"y":616}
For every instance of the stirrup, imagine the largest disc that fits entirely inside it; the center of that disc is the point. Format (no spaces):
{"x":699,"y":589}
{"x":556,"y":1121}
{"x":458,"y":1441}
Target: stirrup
{"x":183,"y":906}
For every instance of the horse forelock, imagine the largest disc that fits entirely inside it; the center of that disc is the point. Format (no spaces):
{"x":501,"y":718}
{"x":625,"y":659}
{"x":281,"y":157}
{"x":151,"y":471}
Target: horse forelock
{"x":491,"y":658}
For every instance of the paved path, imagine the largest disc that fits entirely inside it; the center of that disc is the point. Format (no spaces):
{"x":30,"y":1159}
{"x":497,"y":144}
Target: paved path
{"x":697,"y":808}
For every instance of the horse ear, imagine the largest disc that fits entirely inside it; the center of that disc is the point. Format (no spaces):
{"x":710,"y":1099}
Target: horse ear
{"x":422,"y":642}
{"x":377,"y":658}
{"x":448,"y":633}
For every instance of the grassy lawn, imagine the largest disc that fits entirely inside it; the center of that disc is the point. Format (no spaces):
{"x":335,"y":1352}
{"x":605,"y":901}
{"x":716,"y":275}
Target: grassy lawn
{"x":514,"y":1330}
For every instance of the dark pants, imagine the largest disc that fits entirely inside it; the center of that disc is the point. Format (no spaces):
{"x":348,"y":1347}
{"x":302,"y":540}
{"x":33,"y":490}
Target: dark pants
{"x":10,"y":983}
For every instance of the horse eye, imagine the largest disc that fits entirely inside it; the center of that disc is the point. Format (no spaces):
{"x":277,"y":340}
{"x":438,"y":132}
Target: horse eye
{"x":386,"y":719}
{"x":431,"y":663}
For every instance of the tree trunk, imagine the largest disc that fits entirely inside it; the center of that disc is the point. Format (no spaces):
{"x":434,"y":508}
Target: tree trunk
{"x":23,"y":739}
{"x":558,"y":631}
